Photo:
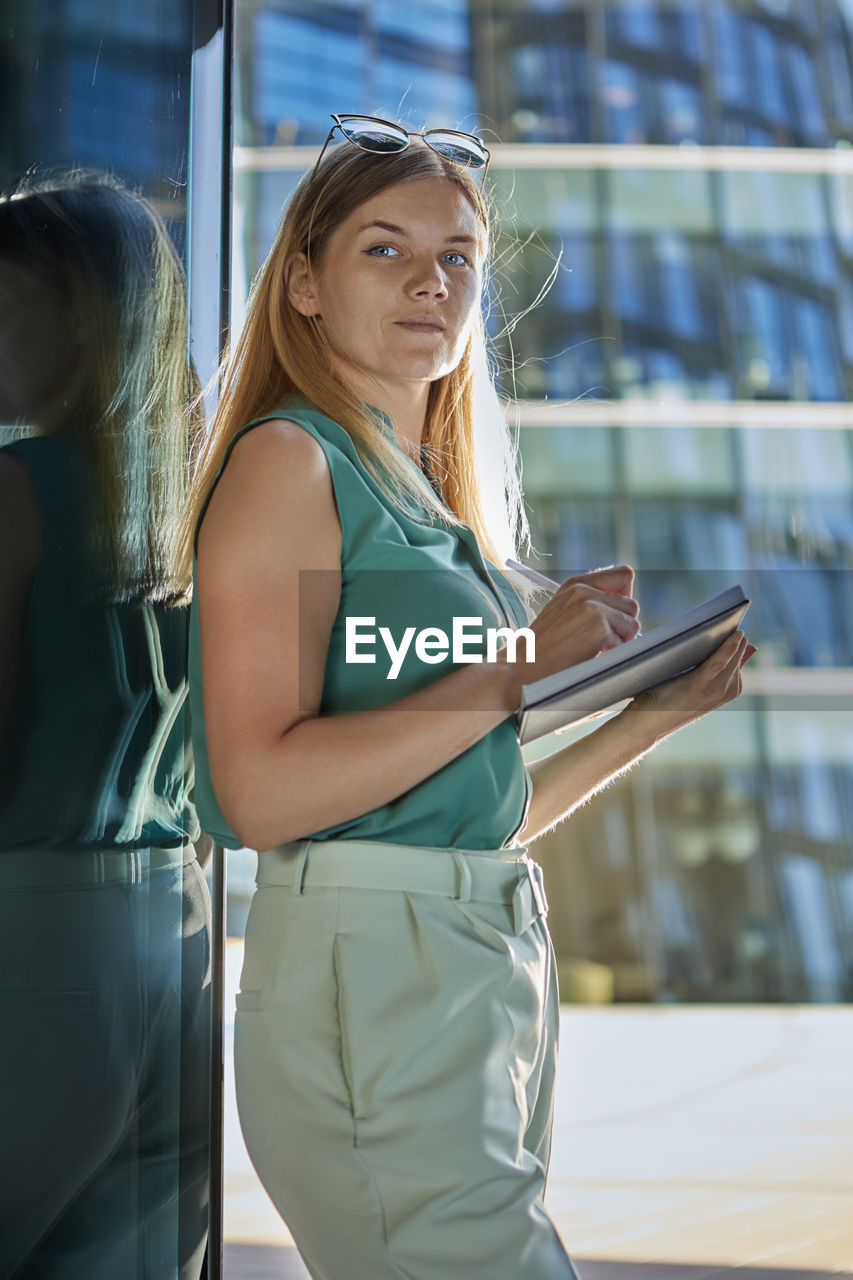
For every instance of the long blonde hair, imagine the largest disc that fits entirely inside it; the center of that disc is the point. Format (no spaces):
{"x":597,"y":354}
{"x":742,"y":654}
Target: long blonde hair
{"x":280,"y":352}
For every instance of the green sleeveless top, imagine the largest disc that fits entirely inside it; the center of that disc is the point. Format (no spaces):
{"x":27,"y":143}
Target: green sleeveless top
{"x":96,"y":749}
{"x":401,"y":571}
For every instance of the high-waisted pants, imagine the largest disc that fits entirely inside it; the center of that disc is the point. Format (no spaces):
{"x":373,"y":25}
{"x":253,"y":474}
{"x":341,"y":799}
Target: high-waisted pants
{"x":396,"y":1041}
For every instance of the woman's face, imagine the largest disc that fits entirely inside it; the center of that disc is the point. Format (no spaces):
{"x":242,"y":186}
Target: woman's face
{"x":399,"y":284}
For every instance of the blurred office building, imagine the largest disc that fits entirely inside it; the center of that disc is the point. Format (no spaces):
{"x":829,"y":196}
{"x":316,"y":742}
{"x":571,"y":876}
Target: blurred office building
{"x":685,"y":170}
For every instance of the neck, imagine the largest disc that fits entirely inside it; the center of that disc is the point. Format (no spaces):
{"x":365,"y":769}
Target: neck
{"x":408,"y":416}
{"x":405,"y":404}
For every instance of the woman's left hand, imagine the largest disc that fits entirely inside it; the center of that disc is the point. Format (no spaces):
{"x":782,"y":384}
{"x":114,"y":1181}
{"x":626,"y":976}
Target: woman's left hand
{"x":714,"y":682}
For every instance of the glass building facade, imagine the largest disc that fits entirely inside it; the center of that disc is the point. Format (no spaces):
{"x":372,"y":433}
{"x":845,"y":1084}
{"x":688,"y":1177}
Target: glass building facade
{"x":681,"y":391}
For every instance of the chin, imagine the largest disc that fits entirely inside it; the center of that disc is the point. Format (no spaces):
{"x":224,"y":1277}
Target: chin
{"x":426,"y":372}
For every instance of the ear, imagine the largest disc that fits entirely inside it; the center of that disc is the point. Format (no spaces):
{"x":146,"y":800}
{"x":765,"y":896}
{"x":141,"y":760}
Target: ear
{"x":299,"y":285}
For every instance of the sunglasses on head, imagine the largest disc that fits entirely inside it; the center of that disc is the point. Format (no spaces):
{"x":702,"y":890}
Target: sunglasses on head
{"x":369,"y":133}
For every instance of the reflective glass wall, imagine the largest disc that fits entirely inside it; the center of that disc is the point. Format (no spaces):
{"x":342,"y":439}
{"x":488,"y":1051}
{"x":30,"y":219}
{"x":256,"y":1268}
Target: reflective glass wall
{"x":104,"y":910}
{"x":682,"y":395}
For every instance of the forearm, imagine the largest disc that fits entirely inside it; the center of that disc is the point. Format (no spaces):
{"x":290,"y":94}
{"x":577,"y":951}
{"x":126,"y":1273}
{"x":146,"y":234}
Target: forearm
{"x":570,"y":777}
{"x":326,"y":770}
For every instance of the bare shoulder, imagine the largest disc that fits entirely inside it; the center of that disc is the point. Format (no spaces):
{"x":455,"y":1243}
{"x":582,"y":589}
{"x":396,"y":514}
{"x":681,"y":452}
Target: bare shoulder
{"x":277,"y":484}
{"x":278,"y":452}
{"x":281,"y":441}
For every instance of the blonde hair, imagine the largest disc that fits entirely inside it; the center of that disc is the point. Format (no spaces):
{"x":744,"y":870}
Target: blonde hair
{"x":281,"y":352}
{"x":133,"y":406}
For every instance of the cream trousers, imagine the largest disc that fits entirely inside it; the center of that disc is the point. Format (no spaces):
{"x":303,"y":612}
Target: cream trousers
{"x":396,"y":1042}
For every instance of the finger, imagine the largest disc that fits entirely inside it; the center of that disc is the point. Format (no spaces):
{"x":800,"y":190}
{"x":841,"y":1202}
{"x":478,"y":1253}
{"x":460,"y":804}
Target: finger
{"x":732,"y":669}
{"x":625,"y":625}
{"x":610,"y":599}
{"x":615,"y":578}
{"x":726,"y":653}
{"x":739,"y":650}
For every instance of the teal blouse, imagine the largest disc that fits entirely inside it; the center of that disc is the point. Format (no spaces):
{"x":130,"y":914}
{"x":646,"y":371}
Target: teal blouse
{"x":403,"y":571}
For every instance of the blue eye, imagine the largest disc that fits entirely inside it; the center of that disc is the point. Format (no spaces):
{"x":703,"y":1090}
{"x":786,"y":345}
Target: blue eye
{"x":381,"y":250}
{"x":454,"y":253}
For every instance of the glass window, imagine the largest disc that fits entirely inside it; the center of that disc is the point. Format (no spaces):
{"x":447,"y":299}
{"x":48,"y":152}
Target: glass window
{"x":768,"y":48}
{"x":838,"y":63}
{"x":809,"y":904}
{"x":442,"y":23}
{"x":629,"y":276}
{"x":636,"y":198}
{"x":575,"y":533}
{"x":678,"y":460}
{"x":576,"y":287}
{"x":690,"y":25}
{"x":840,"y":188}
{"x":763,"y":348}
{"x":530,"y":66}
{"x":637,"y":22}
{"x":680,"y":288}
{"x":844,"y":316}
{"x":809,"y":106}
{"x":679,"y":534}
{"x":816,"y":350}
{"x":733,"y":77}
{"x":796,"y":460}
{"x":626,"y":111}
{"x":546,"y":200}
{"x":681,"y":112}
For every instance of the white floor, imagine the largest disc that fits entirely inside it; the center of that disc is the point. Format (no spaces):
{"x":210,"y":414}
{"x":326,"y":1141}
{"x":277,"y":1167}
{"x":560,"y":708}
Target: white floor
{"x":688,"y":1142}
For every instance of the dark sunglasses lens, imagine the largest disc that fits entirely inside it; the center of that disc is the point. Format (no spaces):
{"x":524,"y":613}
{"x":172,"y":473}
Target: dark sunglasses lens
{"x":466,"y":151}
{"x":372,"y":135}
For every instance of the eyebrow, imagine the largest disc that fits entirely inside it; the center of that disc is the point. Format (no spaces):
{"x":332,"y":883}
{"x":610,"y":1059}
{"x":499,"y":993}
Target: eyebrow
{"x":400,"y":231}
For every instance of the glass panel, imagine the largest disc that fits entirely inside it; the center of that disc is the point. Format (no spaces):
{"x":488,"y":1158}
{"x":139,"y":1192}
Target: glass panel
{"x":678,"y":460}
{"x":104,"y":910}
{"x":566,"y":460}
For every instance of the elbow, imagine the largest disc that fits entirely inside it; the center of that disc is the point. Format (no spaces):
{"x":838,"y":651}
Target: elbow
{"x":254,"y":827}
{"x":258,"y":820}
{"x":266,"y":792}
{"x":247,"y":801}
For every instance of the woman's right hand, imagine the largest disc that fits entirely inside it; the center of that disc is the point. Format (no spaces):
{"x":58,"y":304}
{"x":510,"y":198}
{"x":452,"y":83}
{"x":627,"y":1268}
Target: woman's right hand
{"x":589,"y":613}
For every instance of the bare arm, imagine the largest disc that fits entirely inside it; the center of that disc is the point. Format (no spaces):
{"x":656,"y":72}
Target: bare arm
{"x":279,"y":769}
{"x":572,"y":776}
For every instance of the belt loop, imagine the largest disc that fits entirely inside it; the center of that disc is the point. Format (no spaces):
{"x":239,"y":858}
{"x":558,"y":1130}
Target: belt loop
{"x":299,"y":868}
{"x":520,"y":910}
{"x":537,"y":884}
{"x":463,"y":892}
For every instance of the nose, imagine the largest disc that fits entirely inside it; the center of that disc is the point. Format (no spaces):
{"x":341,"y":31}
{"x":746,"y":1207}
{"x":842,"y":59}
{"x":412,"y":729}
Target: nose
{"x":427,"y":280}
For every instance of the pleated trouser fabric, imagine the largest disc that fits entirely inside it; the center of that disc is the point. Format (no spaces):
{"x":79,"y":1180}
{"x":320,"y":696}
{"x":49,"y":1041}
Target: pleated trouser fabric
{"x":395,"y":1058}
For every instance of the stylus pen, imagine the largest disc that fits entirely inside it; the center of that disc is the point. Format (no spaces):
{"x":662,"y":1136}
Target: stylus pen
{"x":534,"y":575}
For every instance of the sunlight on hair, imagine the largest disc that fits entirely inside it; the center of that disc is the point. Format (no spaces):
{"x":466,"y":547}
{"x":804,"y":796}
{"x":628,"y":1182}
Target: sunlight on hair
{"x":495,"y":460}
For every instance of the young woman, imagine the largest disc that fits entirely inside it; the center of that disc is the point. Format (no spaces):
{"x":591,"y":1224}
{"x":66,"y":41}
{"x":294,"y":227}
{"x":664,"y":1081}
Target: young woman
{"x":397,"y":1022}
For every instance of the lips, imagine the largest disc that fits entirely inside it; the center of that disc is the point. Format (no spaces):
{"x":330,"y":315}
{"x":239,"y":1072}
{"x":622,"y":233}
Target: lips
{"x":422,"y":324}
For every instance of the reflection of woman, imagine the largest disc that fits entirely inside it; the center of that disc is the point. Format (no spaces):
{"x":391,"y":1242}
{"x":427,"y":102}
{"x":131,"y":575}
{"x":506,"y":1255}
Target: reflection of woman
{"x":103,"y":909}
{"x":396,"y":1028}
